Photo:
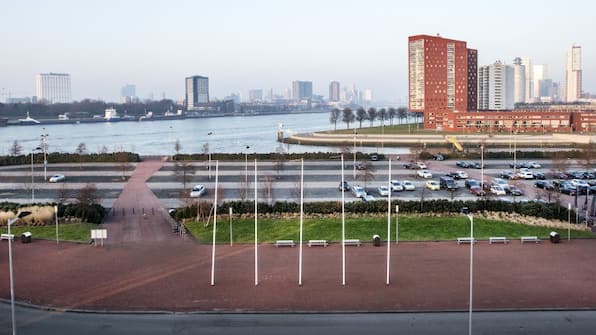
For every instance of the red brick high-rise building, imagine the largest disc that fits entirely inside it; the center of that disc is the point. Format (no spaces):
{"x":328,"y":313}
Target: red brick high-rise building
{"x":442,"y":78}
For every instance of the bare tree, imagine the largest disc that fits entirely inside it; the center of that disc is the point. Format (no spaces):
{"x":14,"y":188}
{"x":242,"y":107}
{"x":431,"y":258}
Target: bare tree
{"x":334,"y":117}
{"x":103,"y":149}
{"x":267,"y":189}
{"x":402,"y":113}
{"x":244,"y":187}
{"x":391,"y":115}
{"x":280,"y":159}
{"x":177,"y":146}
{"x":63,"y":194}
{"x":372,"y":116}
{"x":367,"y":173}
{"x":123,"y":163}
{"x":361,"y":115}
{"x":81,"y":149}
{"x":382,"y":115}
{"x":348,"y":116}
{"x":88,"y":195}
{"x":183,"y":171}
{"x":15,"y":149}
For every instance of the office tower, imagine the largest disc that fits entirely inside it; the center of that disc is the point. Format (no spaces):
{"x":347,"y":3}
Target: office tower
{"x":519,"y":81}
{"x":573,"y":78}
{"x":529,"y":67}
{"x":496,"y":87}
{"x":539,"y":72}
{"x":255,"y":95}
{"x":128,"y":93}
{"x":197,"y":91}
{"x":53,"y":88}
{"x":439,"y":74}
{"x":334,"y":90}
{"x":301,"y":90}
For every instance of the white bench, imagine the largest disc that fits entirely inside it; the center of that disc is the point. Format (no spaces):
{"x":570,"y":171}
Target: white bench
{"x":355,"y":242}
{"x":466,"y":240}
{"x":7,"y":237}
{"x":498,"y":239}
{"x":534,"y":239}
{"x":284,"y":243}
{"x":320,"y":243}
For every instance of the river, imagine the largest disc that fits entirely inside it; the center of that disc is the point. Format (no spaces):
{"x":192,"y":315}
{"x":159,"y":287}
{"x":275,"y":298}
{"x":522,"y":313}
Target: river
{"x":228,"y":135}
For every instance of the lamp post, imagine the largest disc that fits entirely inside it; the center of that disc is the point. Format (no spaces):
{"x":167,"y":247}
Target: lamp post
{"x":568,"y":221}
{"x":471,"y":217}
{"x":209,"y":152}
{"x":10,"y":238}
{"x":246,"y":165}
{"x":354,"y":167}
{"x":32,"y":176}
{"x":44,"y":141}
{"x":482,"y":168}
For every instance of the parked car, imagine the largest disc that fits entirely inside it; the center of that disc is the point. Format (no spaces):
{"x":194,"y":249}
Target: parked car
{"x":534,"y":165}
{"x":57,"y":178}
{"x":578,"y":183}
{"x":544,"y":185}
{"x":344,"y":187}
{"x":575,"y":175}
{"x":514,"y":191}
{"x":501,"y":182}
{"x":396,"y":186}
{"x":447,"y":183}
{"x":408,"y":185}
{"x":358,"y":191}
{"x":497,"y":189}
{"x":471,"y":183}
{"x":525,"y":174}
{"x":559,"y":175}
{"x":439,"y":157}
{"x":477,"y":191}
{"x":421,"y":165}
{"x":198,"y":191}
{"x":368,"y":197}
{"x":474,"y":165}
{"x":360,"y":166}
{"x":374,"y":157}
{"x":460,"y":175}
{"x":506,"y":174}
{"x":589,"y":175}
{"x":432,"y":185}
{"x":408,"y":165}
{"x":539,"y":175}
{"x":462,"y":164}
{"x":567,"y":189}
{"x":424,"y":174}
{"x":383,"y":191}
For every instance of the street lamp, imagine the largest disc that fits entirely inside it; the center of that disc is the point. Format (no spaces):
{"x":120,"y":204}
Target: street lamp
{"x":482,"y":167}
{"x":354,"y":167}
{"x":246,"y":165}
{"x":44,"y":141}
{"x":209,"y":152}
{"x":32,"y":177}
{"x":10,"y":238}
{"x":471,"y":217}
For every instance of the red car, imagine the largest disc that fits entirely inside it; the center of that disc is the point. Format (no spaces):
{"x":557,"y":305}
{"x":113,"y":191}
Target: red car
{"x":477,"y":191}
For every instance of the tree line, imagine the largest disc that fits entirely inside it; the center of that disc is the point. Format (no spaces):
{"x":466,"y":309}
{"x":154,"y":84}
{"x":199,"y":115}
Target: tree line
{"x":348,"y":116}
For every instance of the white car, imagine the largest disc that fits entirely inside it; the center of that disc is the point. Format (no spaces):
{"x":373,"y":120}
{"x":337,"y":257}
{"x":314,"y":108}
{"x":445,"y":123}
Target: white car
{"x":578,"y":183}
{"x":524,"y":174}
{"x":396,"y":186}
{"x":383,"y":191}
{"x":408,"y":185}
{"x":501,"y":182}
{"x":368,"y":197}
{"x":198,"y":191}
{"x":424,"y":174}
{"x":534,"y":165}
{"x":358,"y":191}
{"x":57,"y":178}
{"x":496,"y":189}
{"x":461,"y":175}
{"x":421,"y":165}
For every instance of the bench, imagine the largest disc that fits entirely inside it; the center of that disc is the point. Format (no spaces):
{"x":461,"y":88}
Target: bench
{"x":534,"y":239}
{"x":320,"y":243}
{"x":7,"y":237}
{"x":466,"y":240}
{"x":498,"y":239}
{"x":284,"y":243}
{"x":352,"y":242}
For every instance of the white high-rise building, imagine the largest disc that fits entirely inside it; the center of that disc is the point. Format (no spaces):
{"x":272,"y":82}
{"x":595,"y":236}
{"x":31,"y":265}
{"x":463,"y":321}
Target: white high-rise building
{"x":367,"y":96}
{"x":540,"y":73}
{"x":519,"y":81}
{"x":53,"y":88}
{"x":573,"y":79}
{"x":529,"y":67}
{"x":197,"y":91}
{"x":496,"y":87}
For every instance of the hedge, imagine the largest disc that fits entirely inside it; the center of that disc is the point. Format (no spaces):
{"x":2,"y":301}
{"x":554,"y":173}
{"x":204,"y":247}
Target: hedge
{"x":87,"y":213}
{"x":547,"y":211}
{"x":59,"y":157}
{"x":577,"y":154}
{"x":272,"y":156}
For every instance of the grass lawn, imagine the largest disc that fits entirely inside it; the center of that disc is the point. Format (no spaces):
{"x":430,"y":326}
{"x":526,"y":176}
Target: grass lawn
{"x":410,"y":229}
{"x":80,"y":232}
{"x":399,"y":129}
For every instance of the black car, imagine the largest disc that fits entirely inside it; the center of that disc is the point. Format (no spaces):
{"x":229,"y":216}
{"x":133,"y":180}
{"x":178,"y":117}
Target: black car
{"x":575,"y":175}
{"x":474,"y":165}
{"x":462,"y":164}
{"x":344,"y":187}
{"x":409,"y":165}
{"x":589,"y":175}
{"x":544,"y":185}
{"x":567,"y":190}
{"x":559,"y":175}
{"x":514,"y":191}
{"x":516,"y":165}
{"x":507,"y":175}
{"x":539,"y":175}
{"x":471,"y":182}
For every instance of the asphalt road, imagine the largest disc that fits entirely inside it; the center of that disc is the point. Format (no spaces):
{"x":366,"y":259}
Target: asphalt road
{"x":33,"y":321}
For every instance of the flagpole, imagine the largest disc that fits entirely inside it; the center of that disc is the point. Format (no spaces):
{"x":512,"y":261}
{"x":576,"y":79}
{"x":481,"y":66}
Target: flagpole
{"x":389,"y":223}
{"x":214,"y":223}
{"x":256,"y":230}
{"x":301,"y":220}
{"x":343,"y":226}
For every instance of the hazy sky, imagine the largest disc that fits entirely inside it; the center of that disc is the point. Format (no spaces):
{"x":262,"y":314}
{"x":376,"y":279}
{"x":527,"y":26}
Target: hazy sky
{"x":268,"y":43}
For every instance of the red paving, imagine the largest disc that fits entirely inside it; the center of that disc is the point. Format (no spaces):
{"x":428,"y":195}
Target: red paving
{"x":145,"y":267}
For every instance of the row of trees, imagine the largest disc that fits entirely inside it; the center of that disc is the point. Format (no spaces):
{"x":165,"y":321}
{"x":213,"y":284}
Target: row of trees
{"x":348,"y":116}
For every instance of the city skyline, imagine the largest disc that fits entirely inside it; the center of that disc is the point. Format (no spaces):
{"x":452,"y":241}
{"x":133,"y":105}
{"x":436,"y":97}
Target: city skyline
{"x":276,"y":48}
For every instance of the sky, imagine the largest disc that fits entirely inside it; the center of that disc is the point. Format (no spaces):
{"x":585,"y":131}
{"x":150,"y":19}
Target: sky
{"x":266,"y":44}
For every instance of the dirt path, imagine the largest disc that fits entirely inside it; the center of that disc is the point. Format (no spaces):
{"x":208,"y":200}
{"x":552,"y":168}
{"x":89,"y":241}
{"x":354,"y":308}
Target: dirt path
{"x":137,"y":215}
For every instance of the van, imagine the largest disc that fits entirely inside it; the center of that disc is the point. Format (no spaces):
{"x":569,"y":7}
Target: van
{"x":448,"y":183}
